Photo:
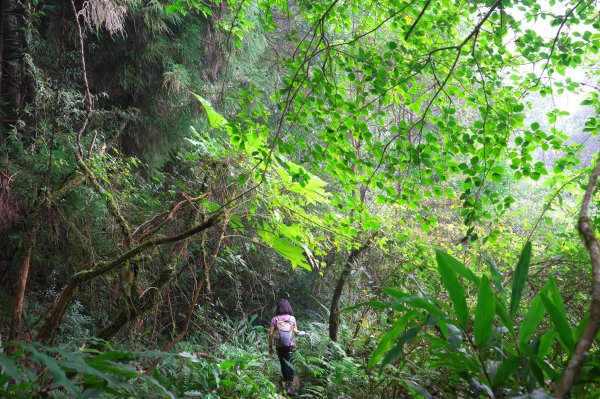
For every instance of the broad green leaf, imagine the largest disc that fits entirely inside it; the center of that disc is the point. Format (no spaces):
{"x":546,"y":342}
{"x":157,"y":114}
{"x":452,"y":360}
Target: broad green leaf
{"x":454,"y":288}
{"x":9,"y":367}
{"x":311,"y":187}
{"x":519,"y":279}
{"x":581,"y":327}
{"x":396,"y":351}
{"x":57,"y":372}
{"x":532,"y":319}
{"x":551,"y":288}
{"x":506,"y":369}
{"x":215,"y":119}
{"x":373,"y":304}
{"x":386,"y":341}
{"x":484,"y":313}
{"x":394,"y":292}
{"x":227,"y":364}
{"x":495,"y":275}
{"x":286,"y":248}
{"x":545,"y":343}
{"x":460,"y":362}
{"x":561,"y":325}
{"x":456,"y":265}
{"x":503,"y":315}
{"x":453,"y":336}
{"x":77,"y":363}
{"x":421,"y":303}
{"x":418,"y":389}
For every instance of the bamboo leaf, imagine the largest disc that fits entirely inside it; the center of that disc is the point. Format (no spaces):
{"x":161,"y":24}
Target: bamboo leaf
{"x":57,"y":372}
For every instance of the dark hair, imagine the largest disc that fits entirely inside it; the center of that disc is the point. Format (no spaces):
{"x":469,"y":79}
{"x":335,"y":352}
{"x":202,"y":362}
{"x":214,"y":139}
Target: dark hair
{"x":284,"y":307}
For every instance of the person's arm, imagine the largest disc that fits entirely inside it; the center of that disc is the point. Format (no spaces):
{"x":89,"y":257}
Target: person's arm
{"x":271,"y":332}
{"x":296,"y":331}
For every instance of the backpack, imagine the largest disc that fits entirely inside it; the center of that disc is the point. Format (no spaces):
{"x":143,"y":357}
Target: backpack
{"x":285,"y":333}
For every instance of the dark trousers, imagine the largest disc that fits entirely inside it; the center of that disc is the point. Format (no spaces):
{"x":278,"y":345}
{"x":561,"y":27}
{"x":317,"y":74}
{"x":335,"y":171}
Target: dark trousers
{"x":285,"y":359}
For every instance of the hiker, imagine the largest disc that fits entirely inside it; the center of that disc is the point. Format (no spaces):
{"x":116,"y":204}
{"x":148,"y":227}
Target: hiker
{"x":285,"y":329}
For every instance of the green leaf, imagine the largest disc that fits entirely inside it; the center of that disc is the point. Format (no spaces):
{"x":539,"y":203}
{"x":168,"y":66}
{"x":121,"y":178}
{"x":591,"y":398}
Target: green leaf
{"x":503,"y":315}
{"x":495,"y":275}
{"x":484,"y":313}
{"x":457,"y":361}
{"x":457,"y":266}
{"x":561,"y":325}
{"x":545,"y":343}
{"x":9,"y":367}
{"x":286,"y":248}
{"x":215,"y":119}
{"x":373,"y":304}
{"x":421,"y":303}
{"x":532,"y":319}
{"x":312,"y":188}
{"x":507,"y":368}
{"x":519,"y":279}
{"x":387,"y":340}
{"x":454,"y":288}
{"x":396,"y":351}
{"x":227,"y":364}
{"x":57,"y":372}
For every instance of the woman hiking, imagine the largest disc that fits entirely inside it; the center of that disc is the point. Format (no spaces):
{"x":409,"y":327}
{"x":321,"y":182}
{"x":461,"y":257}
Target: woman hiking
{"x":285,"y":329}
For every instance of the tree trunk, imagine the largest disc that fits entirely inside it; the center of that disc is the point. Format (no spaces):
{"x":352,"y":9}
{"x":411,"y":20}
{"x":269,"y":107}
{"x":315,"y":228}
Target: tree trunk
{"x":11,"y":55}
{"x":587,"y":338}
{"x":334,"y":310}
{"x":17,"y":311}
{"x":213,"y":41}
{"x":10,"y":214}
{"x":141,"y":304}
{"x":33,"y":224}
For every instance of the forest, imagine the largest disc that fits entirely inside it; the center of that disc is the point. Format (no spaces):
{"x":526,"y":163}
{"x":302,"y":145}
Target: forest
{"x":417,"y":179}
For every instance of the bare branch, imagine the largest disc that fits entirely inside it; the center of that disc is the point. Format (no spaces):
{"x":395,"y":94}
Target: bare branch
{"x":586,"y":228}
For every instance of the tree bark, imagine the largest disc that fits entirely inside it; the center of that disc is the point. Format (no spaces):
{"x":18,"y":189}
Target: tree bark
{"x":334,"y":310}
{"x":213,"y":41}
{"x":17,"y":311}
{"x":586,"y":228}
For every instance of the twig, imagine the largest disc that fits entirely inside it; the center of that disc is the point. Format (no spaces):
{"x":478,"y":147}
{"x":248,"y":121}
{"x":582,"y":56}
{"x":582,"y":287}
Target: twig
{"x":413,"y":26}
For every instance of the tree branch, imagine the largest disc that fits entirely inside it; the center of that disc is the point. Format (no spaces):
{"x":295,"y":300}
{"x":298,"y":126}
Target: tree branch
{"x":55,"y":315}
{"x":586,"y":228}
